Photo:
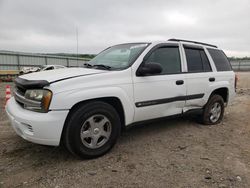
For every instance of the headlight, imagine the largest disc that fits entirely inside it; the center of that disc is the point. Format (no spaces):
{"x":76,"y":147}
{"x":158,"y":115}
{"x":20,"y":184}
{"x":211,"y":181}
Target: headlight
{"x":38,"y":100}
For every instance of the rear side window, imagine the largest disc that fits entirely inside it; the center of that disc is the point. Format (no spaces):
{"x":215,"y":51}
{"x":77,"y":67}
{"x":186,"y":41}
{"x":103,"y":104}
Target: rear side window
{"x":197,"y":60}
{"x":220,"y":60}
{"x":206,"y":64}
{"x":168,"y":57}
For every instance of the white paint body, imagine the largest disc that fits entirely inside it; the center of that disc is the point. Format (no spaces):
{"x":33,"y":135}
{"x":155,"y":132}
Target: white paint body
{"x":122,"y":84}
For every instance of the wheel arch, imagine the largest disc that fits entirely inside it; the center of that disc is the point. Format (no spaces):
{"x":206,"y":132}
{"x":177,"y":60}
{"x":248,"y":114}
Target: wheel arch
{"x":223,"y":92}
{"x":113,"y":101}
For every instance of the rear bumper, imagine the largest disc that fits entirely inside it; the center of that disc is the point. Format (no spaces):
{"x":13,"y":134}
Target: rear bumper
{"x":41,"y":128}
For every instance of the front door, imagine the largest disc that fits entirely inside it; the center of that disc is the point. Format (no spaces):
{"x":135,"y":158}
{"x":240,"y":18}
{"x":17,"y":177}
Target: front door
{"x":162,"y":94}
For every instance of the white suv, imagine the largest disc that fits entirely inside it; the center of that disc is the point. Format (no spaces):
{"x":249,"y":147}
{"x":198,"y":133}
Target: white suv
{"x":86,"y":108}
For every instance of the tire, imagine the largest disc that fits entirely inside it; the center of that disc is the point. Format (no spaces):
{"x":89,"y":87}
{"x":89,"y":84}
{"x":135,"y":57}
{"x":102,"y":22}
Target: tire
{"x":212,"y":107}
{"x":85,"y":127}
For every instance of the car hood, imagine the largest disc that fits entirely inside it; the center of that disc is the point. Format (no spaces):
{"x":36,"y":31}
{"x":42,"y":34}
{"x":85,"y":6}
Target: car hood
{"x":52,"y":76}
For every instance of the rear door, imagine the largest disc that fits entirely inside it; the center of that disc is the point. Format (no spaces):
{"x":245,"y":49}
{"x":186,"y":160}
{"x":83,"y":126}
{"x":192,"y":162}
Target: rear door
{"x":225,"y":77}
{"x":163,"y":94}
{"x":199,"y":75}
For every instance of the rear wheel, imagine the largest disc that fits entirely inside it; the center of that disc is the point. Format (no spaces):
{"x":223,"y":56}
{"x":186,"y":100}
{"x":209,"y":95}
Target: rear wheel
{"x":92,"y":130}
{"x":213,"y":111}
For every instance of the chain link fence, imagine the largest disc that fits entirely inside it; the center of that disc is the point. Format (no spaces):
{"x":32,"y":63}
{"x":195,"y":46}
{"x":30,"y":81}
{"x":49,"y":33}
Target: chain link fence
{"x":15,"y":61}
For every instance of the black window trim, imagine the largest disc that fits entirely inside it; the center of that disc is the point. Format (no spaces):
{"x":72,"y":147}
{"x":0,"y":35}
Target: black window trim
{"x":161,"y":45}
{"x":200,"y":48}
{"x":194,"y":47}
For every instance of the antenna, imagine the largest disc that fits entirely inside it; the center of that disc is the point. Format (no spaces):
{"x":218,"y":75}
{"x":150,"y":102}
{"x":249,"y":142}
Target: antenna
{"x":77,"y":46}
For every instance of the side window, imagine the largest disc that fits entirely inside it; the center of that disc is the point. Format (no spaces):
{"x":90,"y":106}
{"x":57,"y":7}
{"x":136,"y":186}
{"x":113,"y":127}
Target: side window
{"x":220,"y":60}
{"x":205,"y":61}
{"x":168,"y":57}
{"x":194,"y":61}
{"x":197,"y":60}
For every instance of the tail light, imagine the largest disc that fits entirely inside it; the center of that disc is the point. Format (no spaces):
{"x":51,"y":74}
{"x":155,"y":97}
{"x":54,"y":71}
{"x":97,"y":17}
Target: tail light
{"x":236,"y":81}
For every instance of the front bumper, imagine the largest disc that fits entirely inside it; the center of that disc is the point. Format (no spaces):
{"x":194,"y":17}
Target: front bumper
{"x":41,"y":128}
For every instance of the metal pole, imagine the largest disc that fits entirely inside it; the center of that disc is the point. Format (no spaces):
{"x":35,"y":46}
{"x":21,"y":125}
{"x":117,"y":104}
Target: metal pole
{"x":77,"y":46}
{"x":67,"y":62}
{"x":46,"y":60}
{"x":18,"y":62}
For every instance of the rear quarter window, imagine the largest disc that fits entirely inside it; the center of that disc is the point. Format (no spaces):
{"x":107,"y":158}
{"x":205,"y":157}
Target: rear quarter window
{"x":220,"y":60}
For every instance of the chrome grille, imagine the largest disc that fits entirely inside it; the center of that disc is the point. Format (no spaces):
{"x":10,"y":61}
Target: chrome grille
{"x":20,"y":90}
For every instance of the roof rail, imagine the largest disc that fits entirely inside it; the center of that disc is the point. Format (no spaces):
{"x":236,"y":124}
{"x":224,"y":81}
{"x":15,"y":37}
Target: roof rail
{"x":181,"y":40}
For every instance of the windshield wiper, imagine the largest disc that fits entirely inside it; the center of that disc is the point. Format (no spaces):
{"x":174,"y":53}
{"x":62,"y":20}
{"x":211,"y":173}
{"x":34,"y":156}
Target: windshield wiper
{"x":87,"y":65}
{"x":98,"y":66}
{"x":102,"y":66}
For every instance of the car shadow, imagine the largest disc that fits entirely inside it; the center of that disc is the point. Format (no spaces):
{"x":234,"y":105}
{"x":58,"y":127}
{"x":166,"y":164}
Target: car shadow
{"x":40,"y":155}
{"x":166,"y":124}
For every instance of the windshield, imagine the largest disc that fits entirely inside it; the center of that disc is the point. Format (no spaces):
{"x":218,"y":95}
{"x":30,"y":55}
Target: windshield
{"x":118,"y":57}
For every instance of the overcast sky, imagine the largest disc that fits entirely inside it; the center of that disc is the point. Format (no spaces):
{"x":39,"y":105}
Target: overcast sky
{"x":50,"y":25}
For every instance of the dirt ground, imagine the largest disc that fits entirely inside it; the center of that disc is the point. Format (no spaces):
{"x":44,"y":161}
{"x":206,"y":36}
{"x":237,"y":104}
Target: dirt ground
{"x":172,"y":153}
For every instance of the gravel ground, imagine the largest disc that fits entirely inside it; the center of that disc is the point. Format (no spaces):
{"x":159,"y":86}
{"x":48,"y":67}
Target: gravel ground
{"x":172,"y":153}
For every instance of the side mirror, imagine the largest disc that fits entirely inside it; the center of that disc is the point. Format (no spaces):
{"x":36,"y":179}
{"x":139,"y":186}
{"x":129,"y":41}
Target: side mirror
{"x":149,"y":69}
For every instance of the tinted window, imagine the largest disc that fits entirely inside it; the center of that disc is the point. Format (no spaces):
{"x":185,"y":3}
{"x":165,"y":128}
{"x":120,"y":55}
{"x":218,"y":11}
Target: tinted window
{"x":168,"y":57}
{"x":197,"y":60}
{"x":194,"y":61}
{"x":220,"y":60}
{"x":206,"y":64}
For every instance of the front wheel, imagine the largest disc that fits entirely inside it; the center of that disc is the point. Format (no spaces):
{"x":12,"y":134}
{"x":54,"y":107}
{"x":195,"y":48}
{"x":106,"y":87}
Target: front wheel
{"x":213,"y":110}
{"x":92,"y":129}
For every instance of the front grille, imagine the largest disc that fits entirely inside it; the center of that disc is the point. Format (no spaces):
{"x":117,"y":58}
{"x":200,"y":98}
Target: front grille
{"x":19,"y":96}
{"x":20,"y":90}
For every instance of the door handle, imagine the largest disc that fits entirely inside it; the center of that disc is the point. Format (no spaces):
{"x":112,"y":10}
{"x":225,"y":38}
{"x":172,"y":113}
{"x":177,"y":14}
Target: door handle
{"x":212,"y":79}
{"x":179,"y":82}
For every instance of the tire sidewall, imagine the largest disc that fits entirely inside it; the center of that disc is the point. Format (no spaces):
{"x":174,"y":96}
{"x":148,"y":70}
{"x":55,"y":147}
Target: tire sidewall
{"x":206,"y":116}
{"x":80,"y":116}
